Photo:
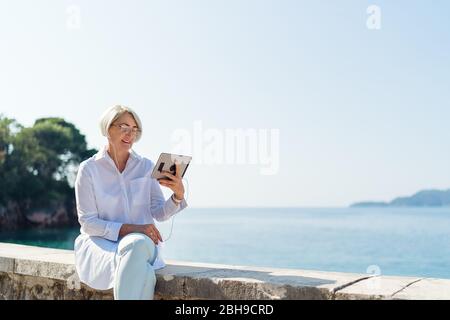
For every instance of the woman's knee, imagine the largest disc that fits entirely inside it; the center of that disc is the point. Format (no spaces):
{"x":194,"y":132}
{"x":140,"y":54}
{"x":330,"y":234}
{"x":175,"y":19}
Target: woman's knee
{"x":139,"y":243}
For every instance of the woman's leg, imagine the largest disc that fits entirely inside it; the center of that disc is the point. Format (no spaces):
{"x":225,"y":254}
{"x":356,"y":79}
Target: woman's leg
{"x":134,"y":276}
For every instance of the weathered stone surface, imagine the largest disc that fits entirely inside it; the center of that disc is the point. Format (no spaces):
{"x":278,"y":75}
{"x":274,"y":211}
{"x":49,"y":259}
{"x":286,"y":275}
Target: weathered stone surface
{"x":242,"y":282}
{"x":28,"y":272}
{"x":6,"y":264}
{"x":23,"y":252}
{"x":426,"y":289}
{"x":15,"y":287}
{"x":378,"y":287}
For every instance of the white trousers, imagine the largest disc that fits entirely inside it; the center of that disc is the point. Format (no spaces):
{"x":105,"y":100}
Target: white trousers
{"x":134,"y":277}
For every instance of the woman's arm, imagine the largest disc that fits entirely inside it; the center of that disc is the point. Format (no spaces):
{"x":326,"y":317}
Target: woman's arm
{"x":162,"y":209}
{"x":147,"y":229}
{"x":87,"y":210}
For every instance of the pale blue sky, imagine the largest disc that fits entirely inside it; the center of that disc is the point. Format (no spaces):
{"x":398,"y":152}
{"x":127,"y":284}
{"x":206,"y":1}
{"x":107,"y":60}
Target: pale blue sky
{"x":363,"y":114}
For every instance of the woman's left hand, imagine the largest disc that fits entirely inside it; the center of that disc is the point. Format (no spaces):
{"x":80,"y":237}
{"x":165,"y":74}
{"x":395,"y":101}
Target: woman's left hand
{"x":175,"y":184}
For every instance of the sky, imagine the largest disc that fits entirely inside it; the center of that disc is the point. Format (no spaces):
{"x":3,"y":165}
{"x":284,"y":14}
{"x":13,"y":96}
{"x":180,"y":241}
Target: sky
{"x":349,"y":113}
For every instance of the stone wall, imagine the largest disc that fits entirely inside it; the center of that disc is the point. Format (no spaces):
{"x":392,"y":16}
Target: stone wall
{"x":28,"y":272}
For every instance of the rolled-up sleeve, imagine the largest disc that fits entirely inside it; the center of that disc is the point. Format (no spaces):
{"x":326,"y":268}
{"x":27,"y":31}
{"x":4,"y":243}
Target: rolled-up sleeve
{"x":162,"y":209}
{"x":87,"y":210}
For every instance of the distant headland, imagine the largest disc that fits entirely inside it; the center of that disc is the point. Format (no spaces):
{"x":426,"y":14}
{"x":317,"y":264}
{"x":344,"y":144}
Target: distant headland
{"x":424,"y":198}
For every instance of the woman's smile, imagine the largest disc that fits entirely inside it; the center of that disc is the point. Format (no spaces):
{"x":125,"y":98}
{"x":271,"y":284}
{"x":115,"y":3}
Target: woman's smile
{"x":126,"y":142}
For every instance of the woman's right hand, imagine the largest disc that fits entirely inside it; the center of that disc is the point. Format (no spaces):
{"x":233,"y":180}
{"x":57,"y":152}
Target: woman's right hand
{"x":153,"y":233}
{"x":148,"y":229}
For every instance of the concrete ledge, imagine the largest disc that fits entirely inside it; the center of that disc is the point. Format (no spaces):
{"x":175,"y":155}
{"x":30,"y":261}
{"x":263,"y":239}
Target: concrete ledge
{"x":28,"y":272}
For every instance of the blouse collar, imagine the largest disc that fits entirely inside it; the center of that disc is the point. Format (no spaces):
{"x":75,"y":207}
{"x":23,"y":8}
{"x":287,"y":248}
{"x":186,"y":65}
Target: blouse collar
{"x":103,"y":153}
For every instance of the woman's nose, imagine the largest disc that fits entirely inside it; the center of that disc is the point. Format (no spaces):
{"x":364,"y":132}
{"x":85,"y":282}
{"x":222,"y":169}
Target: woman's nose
{"x":129,"y":136}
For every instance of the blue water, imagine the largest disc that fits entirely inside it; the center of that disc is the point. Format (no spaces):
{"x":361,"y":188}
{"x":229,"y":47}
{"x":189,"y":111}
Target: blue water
{"x":397,"y":241}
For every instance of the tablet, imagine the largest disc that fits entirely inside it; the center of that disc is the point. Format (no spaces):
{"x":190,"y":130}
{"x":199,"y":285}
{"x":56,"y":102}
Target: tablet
{"x":166,"y":162}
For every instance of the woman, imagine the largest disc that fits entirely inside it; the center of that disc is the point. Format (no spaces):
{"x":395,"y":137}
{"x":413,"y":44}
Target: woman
{"x":117,"y":201}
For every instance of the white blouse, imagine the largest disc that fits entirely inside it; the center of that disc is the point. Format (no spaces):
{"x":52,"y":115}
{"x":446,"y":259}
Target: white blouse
{"x":105,"y":200}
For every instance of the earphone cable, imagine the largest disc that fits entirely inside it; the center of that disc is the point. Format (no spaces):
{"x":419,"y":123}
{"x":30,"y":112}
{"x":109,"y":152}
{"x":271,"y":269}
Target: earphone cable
{"x":173,"y":217}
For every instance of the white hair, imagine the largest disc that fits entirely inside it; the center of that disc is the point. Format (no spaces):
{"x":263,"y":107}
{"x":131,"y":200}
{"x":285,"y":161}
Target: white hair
{"x":115,"y":112}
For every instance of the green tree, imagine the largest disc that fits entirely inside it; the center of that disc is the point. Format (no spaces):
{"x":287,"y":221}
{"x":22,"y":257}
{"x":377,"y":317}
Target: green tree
{"x":38,"y":164}
{"x":8,"y":128}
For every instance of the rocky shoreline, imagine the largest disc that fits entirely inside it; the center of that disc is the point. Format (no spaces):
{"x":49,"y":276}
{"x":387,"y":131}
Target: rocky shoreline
{"x":15,"y":217}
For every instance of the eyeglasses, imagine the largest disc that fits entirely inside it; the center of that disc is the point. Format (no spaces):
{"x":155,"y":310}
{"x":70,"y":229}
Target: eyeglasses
{"x":124,"y":128}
